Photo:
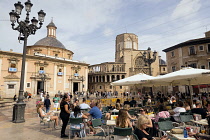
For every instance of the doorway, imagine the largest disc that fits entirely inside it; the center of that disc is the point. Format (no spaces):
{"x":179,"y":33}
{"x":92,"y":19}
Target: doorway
{"x":75,"y":87}
{"x":40,"y":87}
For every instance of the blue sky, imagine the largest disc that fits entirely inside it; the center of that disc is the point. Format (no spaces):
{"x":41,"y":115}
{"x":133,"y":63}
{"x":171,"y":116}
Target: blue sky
{"x":89,"y":27}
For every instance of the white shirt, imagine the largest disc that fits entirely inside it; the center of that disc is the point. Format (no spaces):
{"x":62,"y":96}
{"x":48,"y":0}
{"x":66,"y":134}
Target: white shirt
{"x":177,"y":111}
{"x":84,"y":106}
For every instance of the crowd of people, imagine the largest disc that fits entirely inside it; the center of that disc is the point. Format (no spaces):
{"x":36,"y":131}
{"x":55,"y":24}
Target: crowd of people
{"x":142,"y":125}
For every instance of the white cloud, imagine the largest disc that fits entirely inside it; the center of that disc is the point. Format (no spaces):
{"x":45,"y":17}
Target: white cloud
{"x":186,"y":7}
{"x":108,"y":32}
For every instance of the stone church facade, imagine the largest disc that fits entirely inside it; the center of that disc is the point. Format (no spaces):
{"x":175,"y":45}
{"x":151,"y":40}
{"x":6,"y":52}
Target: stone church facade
{"x":49,"y":67}
{"x":128,"y":61}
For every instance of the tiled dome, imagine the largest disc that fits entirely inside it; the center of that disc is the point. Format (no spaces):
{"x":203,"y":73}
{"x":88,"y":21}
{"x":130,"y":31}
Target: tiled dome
{"x":50,"y":41}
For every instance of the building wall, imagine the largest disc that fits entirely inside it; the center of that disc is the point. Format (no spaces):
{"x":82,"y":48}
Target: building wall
{"x":53,"y":81}
{"x":182,"y":57}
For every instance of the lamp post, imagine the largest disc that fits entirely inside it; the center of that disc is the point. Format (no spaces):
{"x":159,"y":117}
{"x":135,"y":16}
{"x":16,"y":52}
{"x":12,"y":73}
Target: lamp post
{"x":25,"y":29}
{"x":149,"y":57}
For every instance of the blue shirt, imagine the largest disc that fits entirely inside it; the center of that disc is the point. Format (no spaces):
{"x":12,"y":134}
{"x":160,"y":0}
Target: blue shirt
{"x":95,"y":113}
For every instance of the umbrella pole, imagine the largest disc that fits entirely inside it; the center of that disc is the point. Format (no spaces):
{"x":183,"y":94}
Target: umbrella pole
{"x":208,"y":91}
{"x":190,"y":90}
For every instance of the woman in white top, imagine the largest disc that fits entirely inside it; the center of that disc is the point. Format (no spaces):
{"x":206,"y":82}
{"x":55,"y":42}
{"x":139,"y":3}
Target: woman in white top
{"x":48,"y":116}
{"x":77,"y":114}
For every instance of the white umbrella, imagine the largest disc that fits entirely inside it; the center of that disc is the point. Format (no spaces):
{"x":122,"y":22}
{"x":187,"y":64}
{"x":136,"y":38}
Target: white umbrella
{"x":185,"y":76}
{"x":132,"y":80}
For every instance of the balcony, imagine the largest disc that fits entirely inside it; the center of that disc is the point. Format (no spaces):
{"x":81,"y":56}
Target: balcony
{"x":12,"y":69}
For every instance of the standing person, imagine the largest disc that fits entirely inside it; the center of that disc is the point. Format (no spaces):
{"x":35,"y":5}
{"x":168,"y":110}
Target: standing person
{"x":47,"y":104}
{"x":64,"y":115}
{"x":56,"y":101}
{"x":42,"y":96}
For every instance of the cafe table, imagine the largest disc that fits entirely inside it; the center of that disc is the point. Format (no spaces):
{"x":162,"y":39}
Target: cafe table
{"x":179,"y":136}
{"x":110,"y":123}
{"x":201,"y":122}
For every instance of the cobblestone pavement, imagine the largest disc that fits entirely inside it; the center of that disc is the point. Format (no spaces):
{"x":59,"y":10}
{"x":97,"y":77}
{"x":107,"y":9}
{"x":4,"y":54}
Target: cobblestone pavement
{"x":30,"y":129}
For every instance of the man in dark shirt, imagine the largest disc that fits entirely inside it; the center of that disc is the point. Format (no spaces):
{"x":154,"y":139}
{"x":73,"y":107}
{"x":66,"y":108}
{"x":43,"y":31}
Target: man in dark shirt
{"x":199,"y":110}
{"x":133,"y":102}
{"x":126,"y":102}
{"x":47,"y":104}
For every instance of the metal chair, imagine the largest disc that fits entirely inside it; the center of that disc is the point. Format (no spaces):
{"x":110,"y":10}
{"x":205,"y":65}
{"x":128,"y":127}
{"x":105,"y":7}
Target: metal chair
{"x":97,"y":124}
{"x":164,"y":126}
{"x":77,"y":121}
{"x":131,"y":112}
{"x":105,"y":109}
{"x":126,"y":132}
{"x":45,"y":121}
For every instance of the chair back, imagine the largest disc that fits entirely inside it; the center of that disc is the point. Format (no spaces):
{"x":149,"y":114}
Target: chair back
{"x":135,"y":136}
{"x":96,"y":122}
{"x":164,"y":119}
{"x":122,"y":131}
{"x":105,"y":109}
{"x":131,"y":112}
{"x":165,"y":125}
{"x":75,"y":120}
{"x":115,"y":112}
{"x":186,"y":118}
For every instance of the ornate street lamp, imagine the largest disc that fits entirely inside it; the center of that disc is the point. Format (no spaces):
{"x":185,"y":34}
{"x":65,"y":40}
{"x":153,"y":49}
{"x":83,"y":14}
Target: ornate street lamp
{"x":149,"y":57}
{"x":25,"y":29}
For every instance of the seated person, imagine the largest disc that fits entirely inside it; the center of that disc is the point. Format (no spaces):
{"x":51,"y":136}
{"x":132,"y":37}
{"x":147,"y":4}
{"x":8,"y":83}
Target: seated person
{"x":95,"y":113}
{"x":133,"y":102}
{"x":117,"y":108}
{"x":176,"y":111}
{"x":123,"y":121}
{"x":199,"y":110}
{"x":126,"y":102}
{"x":140,"y":131}
{"x":43,"y":115}
{"x":162,"y":113}
{"x":83,"y":105}
{"x":150,"y":127}
{"x":199,"y":136}
{"x":127,"y":107}
{"x":187,"y":106}
{"x":77,"y":114}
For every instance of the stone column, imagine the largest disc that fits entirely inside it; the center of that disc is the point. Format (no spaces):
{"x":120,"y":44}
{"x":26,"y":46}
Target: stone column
{"x":64,"y":78}
{"x":55,"y":78}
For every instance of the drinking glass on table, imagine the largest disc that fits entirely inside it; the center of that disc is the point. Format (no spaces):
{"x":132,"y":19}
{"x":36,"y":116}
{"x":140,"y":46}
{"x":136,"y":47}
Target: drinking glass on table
{"x":203,"y":130}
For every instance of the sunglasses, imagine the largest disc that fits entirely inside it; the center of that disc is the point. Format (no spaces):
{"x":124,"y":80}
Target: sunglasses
{"x":141,"y":110}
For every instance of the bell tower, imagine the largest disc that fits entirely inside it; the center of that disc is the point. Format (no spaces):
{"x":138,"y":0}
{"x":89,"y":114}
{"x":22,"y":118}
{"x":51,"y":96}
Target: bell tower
{"x":51,"y":29}
{"x":125,"y":44}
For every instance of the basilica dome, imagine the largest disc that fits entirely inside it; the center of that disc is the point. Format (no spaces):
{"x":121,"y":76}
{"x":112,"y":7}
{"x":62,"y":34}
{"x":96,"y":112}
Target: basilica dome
{"x":50,"y":40}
